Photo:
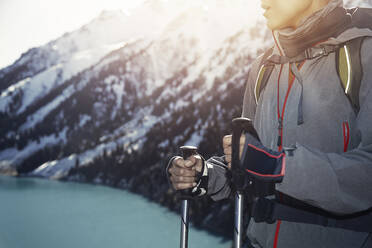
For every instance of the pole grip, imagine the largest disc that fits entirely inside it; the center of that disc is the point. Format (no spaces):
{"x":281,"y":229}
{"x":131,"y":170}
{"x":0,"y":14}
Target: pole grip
{"x":186,"y":152}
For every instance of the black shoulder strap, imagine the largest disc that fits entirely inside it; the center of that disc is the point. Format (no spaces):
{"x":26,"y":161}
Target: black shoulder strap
{"x":265,"y":210}
{"x":350,"y":70}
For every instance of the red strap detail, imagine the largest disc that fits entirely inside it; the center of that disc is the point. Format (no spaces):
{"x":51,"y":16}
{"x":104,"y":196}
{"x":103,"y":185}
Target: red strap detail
{"x":282,"y":172}
{"x":268,"y":154}
{"x":346,"y":134}
{"x":277,"y":233}
{"x":278,"y":226}
{"x":280,"y":75}
{"x":343,"y":134}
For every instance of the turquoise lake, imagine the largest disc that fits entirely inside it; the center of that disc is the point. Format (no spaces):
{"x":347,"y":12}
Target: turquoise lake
{"x":39,"y":213}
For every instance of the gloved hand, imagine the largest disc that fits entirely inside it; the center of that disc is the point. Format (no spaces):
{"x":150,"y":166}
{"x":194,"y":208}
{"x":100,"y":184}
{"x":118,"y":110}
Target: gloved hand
{"x":260,"y":168}
{"x":188,"y":174}
{"x":262,"y":163}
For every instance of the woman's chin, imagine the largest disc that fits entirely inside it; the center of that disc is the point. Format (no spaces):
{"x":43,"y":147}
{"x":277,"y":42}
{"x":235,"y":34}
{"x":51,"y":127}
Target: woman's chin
{"x":271,"y":25}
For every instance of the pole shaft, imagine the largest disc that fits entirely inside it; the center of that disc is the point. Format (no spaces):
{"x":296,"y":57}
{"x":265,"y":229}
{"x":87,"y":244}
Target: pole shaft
{"x":238,"y":229}
{"x":186,"y":151}
{"x":184,"y":224}
{"x":239,"y":126}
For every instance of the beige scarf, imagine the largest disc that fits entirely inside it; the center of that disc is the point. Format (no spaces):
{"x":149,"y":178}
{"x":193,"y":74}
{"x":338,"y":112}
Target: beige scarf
{"x":307,"y":23}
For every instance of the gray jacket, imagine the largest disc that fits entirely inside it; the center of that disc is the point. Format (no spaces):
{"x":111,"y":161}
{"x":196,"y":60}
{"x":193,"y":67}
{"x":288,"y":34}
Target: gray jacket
{"x":319,"y":173}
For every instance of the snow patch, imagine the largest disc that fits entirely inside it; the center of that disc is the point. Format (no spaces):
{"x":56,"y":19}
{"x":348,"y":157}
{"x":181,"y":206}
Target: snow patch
{"x":14,"y":157}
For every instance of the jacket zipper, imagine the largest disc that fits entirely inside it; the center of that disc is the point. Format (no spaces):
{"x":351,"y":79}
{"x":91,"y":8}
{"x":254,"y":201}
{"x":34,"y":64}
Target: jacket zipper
{"x":281,"y":115}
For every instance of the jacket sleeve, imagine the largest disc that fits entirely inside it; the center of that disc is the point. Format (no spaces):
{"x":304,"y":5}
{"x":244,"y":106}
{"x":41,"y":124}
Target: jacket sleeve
{"x":219,"y":187}
{"x":339,"y":183}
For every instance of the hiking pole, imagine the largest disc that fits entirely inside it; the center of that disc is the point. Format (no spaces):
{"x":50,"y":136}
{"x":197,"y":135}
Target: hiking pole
{"x":186,"y":152}
{"x":239,"y":125}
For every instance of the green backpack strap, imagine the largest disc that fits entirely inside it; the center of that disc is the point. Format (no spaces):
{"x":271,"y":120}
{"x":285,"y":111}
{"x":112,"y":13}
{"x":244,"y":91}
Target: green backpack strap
{"x":263,"y":74}
{"x":350,"y":71}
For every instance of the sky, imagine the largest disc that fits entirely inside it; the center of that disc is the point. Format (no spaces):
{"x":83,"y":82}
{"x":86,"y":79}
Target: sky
{"x":30,"y":23}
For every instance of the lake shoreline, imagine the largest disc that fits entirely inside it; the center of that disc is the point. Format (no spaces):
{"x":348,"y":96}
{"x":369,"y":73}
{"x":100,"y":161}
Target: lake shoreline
{"x":174,"y":210}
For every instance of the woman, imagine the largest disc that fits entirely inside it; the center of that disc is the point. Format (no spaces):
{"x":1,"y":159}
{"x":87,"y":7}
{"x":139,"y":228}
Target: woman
{"x":310,"y":105}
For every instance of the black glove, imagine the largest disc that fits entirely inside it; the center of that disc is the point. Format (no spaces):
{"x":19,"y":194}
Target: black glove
{"x":260,"y":168}
{"x":262,"y":163}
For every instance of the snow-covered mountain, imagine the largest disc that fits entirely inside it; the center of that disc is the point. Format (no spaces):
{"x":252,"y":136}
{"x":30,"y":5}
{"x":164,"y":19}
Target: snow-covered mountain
{"x":149,"y":48}
{"x":112,"y":101}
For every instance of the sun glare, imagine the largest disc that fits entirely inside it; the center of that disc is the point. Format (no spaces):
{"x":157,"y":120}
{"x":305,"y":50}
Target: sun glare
{"x":26,"y":24}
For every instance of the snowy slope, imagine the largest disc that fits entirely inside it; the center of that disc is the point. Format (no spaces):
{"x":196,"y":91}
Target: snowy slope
{"x":164,"y":107}
{"x":71,"y":54}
